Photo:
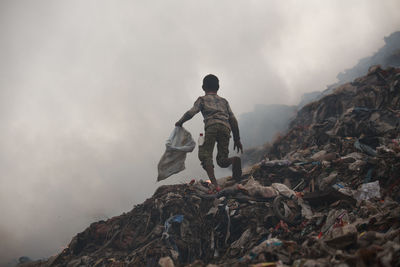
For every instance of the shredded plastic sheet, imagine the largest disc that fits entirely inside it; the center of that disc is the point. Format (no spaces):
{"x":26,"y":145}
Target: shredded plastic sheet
{"x":367,"y":191}
{"x":178,"y":144}
{"x":177,"y":218}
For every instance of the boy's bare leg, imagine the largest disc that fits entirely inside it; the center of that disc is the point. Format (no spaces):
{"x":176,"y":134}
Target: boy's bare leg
{"x":236,"y":168}
{"x":211,"y":175}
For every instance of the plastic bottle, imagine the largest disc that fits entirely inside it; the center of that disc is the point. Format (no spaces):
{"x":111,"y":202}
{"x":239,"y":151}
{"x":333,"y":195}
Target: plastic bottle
{"x":201,"y":140}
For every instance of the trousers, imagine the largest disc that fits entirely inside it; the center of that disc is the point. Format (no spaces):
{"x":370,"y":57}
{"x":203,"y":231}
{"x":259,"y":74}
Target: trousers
{"x":220,"y":134}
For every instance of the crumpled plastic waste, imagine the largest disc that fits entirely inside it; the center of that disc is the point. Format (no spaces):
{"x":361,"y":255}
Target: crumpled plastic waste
{"x":368,"y":191}
{"x":327,"y":181}
{"x":254,"y":188}
{"x":284,"y":190}
{"x":167,"y":224}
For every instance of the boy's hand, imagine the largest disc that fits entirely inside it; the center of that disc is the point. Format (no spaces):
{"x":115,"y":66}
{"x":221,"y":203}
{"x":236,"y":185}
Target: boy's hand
{"x":238,"y":145}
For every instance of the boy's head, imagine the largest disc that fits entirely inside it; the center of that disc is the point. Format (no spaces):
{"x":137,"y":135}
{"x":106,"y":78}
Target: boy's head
{"x":210,"y":83}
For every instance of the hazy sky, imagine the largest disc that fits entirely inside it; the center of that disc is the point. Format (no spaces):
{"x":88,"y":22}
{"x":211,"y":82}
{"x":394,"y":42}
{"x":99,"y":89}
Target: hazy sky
{"x":90,"y":90}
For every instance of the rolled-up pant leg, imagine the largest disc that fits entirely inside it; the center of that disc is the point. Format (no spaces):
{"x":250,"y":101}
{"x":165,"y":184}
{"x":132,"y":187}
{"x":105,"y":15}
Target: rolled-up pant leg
{"x":223,"y":136}
{"x":206,"y":150}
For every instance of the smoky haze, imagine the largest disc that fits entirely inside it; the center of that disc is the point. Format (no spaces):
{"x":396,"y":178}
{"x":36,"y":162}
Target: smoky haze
{"x":90,"y":91}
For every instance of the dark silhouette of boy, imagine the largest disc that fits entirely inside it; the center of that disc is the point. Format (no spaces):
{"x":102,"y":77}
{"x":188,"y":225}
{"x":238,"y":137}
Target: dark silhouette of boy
{"x":219,"y":121}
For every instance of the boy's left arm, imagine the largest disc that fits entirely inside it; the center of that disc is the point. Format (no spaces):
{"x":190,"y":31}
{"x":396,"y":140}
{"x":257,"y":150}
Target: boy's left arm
{"x":235,"y":131}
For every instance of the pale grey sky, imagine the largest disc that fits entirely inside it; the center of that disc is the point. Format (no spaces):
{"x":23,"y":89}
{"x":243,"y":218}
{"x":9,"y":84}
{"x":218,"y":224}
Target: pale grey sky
{"x":90,"y":90}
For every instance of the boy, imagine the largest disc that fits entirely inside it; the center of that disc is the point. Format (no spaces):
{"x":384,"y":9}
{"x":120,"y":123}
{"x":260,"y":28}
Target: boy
{"x":219,"y":121}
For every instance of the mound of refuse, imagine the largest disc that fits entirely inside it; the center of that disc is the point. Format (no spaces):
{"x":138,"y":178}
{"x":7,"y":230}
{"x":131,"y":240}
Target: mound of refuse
{"x":325,"y":194}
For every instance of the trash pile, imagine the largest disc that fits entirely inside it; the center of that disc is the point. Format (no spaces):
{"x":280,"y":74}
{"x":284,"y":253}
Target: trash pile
{"x":326,"y":193}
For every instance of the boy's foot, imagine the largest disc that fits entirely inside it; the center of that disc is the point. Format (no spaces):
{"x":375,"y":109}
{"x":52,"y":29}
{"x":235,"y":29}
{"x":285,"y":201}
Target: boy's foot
{"x":214,"y":189}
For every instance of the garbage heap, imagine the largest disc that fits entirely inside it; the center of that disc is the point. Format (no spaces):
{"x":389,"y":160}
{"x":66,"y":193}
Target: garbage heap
{"x":325,"y":194}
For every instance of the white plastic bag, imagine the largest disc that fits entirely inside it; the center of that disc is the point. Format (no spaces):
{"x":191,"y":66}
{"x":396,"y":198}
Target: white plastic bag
{"x":178,"y":144}
{"x":367,"y":191}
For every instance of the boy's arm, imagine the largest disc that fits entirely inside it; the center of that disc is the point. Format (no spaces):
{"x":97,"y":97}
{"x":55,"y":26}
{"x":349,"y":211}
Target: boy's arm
{"x":190,"y":113}
{"x":235,"y":128}
{"x":235,"y":131}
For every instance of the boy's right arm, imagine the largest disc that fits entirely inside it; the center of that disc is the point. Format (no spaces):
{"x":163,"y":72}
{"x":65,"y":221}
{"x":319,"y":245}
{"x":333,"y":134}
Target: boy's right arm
{"x":190,"y":113}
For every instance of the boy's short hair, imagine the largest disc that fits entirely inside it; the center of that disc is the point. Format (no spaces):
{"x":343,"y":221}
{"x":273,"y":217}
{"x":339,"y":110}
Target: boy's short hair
{"x":210,"y":83}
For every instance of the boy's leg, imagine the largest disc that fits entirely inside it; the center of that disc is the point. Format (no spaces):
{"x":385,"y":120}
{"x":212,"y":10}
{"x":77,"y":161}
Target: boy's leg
{"x":236,"y":168}
{"x":223,"y":152}
{"x":223,"y":136}
{"x":206,"y":152}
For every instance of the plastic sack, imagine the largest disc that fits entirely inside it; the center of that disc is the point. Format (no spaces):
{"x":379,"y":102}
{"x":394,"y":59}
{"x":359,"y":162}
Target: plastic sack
{"x":178,"y":144}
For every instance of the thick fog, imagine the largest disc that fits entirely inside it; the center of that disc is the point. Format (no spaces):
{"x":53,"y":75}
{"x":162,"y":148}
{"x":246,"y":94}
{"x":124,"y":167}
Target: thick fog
{"x":90,"y":90}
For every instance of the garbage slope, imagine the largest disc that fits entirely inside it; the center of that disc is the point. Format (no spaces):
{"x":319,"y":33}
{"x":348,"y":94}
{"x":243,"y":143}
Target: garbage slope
{"x":341,"y":157}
